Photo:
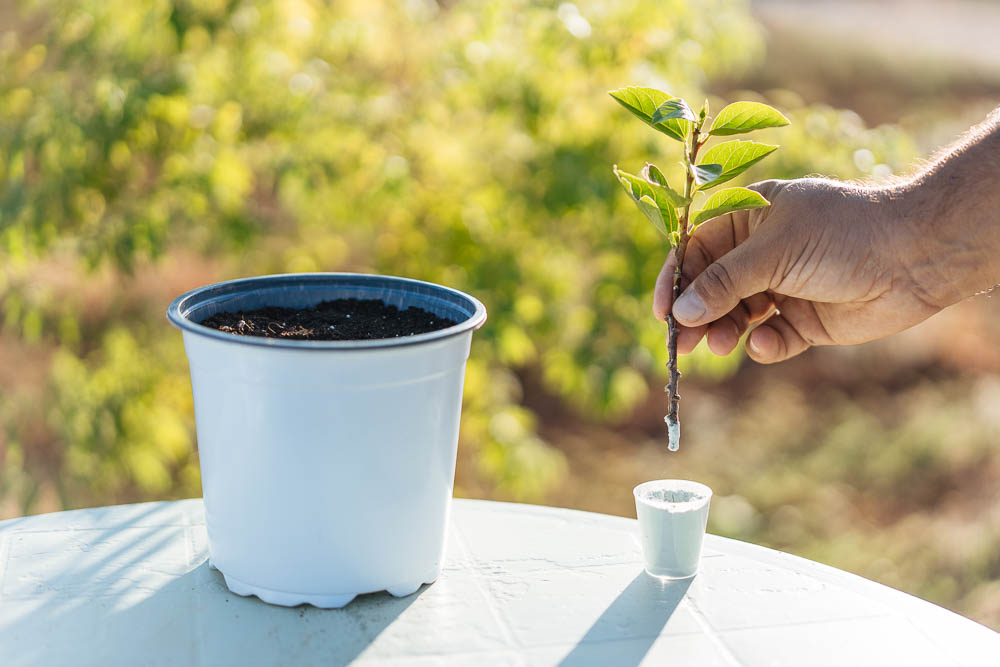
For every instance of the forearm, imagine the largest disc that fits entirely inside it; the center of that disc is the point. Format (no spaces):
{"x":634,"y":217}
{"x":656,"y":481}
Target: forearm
{"x":951,"y":214}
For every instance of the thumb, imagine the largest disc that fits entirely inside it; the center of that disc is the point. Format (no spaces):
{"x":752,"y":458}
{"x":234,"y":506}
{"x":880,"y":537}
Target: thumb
{"x":742,"y":272}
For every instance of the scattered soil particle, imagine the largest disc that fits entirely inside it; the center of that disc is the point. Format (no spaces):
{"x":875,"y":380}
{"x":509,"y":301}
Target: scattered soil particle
{"x":341,"y":319}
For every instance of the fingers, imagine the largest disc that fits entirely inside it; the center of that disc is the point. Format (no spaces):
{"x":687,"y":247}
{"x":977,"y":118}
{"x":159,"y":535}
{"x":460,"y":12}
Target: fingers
{"x":709,"y":242}
{"x":726,"y":280}
{"x":731,"y":265}
{"x":771,"y":342}
{"x":775,"y":340}
{"x":759,"y":306}
{"x":688,"y":338}
{"x":724,"y":334}
{"x":742,"y":272}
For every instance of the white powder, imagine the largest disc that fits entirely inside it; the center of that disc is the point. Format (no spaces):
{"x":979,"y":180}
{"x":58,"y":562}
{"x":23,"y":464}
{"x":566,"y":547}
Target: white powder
{"x":674,"y":429}
{"x":673,"y":500}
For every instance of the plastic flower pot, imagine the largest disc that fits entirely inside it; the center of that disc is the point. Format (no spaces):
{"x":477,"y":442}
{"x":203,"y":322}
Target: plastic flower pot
{"x":672,"y":514}
{"x":327,"y":466}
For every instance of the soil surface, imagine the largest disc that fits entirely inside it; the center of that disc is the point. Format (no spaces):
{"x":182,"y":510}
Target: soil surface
{"x":342,"y":319}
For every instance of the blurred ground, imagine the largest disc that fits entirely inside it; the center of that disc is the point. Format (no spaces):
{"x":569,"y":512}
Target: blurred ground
{"x":928,"y":65}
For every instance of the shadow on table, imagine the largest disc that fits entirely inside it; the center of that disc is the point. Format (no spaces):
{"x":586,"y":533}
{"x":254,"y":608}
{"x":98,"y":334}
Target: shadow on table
{"x":144,"y":600}
{"x":244,"y":630}
{"x":641,"y":610}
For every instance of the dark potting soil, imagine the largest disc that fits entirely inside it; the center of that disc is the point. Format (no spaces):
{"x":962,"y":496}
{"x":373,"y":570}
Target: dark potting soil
{"x":341,"y":319}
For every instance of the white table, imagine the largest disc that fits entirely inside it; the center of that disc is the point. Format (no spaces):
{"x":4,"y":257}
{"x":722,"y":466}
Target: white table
{"x":524,"y":585}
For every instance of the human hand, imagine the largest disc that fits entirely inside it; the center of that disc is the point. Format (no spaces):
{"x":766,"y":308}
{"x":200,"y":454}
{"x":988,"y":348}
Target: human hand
{"x":839,"y":263}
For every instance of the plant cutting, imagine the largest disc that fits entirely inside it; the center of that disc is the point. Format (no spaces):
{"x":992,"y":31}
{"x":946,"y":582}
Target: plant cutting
{"x":327,"y":448}
{"x":671,"y":209}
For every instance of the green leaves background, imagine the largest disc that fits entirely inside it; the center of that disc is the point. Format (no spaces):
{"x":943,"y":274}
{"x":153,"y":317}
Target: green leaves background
{"x":148,"y":148}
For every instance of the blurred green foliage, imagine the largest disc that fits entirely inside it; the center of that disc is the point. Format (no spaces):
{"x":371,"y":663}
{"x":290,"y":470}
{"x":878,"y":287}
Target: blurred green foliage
{"x":146,"y":148}
{"x":465,"y":144}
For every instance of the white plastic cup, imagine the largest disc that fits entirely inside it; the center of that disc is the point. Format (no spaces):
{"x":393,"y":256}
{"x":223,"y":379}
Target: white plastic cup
{"x":327,"y":467}
{"x":673,"y":514}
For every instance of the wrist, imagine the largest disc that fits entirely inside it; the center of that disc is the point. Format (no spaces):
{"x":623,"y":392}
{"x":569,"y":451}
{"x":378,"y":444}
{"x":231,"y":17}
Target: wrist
{"x":943,"y":253}
{"x":949,"y":217}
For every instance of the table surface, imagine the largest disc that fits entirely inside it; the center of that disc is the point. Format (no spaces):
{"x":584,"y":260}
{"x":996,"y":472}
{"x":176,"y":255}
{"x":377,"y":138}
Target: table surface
{"x":523,"y":585}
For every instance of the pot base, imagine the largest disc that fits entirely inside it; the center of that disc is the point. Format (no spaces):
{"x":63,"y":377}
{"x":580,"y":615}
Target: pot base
{"x":336,"y":601}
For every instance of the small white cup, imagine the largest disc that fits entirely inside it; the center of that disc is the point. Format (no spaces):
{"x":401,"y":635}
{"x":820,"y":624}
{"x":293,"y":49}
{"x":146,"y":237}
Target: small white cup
{"x":672,"y":517}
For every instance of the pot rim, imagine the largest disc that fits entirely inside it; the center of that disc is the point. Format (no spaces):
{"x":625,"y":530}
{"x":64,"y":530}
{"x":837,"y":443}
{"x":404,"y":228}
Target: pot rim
{"x":180,"y":309}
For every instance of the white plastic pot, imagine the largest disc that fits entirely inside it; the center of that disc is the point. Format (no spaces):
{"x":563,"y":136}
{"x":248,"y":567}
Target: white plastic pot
{"x":327,"y":466}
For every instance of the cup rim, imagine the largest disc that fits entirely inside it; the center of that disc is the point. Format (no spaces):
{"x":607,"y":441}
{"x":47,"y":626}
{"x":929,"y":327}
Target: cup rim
{"x":679,"y":484}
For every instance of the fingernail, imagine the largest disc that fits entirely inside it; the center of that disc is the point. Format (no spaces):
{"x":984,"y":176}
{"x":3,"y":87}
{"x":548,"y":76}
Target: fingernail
{"x":753,"y":348}
{"x":689,"y":307}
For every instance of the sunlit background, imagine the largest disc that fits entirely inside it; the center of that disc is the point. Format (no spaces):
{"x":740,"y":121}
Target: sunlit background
{"x":147,"y":148}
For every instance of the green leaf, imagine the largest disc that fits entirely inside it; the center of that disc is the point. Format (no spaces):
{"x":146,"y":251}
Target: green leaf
{"x":651,"y":200}
{"x":643,"y":103}
{"x":654,"y":176}
{"x":740,"y":117}
{"x":736,"y":157}
{"x":727,"y":201}
{"x":649,"y":208}
{"x":676,"y":108}
{"x":706,"y":173}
